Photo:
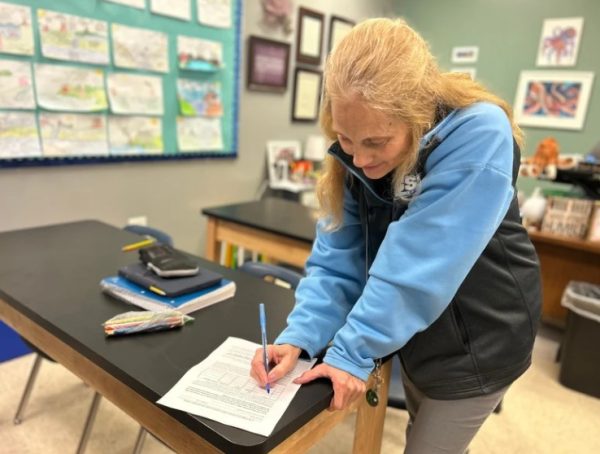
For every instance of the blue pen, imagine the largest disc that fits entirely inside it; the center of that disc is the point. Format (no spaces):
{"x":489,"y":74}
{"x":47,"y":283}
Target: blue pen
{"x":263,"y":332}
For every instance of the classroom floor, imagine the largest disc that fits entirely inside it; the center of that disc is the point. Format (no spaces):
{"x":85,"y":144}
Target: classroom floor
{"x":539,"y":416}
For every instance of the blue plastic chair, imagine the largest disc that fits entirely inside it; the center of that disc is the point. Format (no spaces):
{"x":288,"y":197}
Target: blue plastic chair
{"x":39,"y":356}
{"x":157,"y":234}
{"x":272,"y":273}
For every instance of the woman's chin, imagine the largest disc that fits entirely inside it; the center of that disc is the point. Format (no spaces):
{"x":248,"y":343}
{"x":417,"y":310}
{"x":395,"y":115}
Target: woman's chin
{"x":375,"y":172}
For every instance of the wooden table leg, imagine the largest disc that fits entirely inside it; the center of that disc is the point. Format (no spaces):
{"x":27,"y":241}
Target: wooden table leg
{"x":369,"y":420}
{"x":211,"y":248}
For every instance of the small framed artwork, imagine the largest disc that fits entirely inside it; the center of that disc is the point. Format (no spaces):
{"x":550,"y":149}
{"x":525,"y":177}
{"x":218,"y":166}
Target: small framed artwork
{"x":468,"y":70}
{"x":280,"y":157}
{"x":559,"y":42}
{"x":338,"y":28}
{"x":309,"y":40}
{"x":268,"y":63}
{"x":553,"y":99}
{"x":466,"y":54}
{"x":307,"y":95}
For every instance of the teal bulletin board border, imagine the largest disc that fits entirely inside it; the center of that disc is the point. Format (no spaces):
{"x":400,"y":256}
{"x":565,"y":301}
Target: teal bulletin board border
{"x":120,"y":14}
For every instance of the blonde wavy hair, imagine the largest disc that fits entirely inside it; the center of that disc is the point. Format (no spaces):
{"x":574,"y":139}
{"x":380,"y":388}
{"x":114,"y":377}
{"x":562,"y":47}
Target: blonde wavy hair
{"x":390,"y":66}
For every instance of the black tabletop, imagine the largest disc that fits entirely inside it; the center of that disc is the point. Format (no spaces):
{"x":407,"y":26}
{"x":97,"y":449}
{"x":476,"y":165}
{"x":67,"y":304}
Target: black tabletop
{"x":279,"y":216}
{"x":51,"y":275}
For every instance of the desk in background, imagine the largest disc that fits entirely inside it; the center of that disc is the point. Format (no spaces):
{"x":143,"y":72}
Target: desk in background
{"x":280,"y":229}
{"x":285,"y":231}
{"x":50,"y":294}
{"x":563,"y":259}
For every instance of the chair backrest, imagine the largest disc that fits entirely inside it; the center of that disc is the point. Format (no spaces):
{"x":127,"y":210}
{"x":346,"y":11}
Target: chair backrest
{"x":275,"y":272}
{"x":157,"y":234}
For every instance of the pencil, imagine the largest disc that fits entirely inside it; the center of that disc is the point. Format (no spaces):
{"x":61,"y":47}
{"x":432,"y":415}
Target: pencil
{"x":138,"y":245}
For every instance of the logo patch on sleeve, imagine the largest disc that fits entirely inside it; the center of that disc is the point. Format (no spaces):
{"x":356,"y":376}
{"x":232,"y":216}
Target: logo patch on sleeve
{"x":409,"y":188}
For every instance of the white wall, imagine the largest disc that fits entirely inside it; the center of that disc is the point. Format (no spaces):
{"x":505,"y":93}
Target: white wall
{"x":172,"y":193}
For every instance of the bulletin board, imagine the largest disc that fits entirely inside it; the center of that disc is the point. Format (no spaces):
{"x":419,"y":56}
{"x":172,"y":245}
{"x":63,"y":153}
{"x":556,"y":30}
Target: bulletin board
{"x":127,"y":139}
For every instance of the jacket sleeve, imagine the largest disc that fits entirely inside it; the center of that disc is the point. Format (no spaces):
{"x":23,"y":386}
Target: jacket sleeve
{"x":428,"y":252}
{"x":335,"y":278}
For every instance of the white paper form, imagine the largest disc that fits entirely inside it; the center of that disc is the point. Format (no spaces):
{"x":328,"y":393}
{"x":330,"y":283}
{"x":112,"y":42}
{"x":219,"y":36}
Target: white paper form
{"x":220,"y":388}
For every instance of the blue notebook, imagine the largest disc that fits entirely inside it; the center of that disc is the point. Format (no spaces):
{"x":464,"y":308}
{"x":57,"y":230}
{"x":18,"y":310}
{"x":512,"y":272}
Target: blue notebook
{"x":129,"y":292}
{"x":172,"y":286}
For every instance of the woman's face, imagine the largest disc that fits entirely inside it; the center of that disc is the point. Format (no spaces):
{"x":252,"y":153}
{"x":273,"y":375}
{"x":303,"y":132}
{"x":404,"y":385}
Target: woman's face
{"x":376,"y":142}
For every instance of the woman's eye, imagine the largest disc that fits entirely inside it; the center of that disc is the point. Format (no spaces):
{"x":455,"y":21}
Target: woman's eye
{"x":375,"y":143}
{"x":343,"y":139}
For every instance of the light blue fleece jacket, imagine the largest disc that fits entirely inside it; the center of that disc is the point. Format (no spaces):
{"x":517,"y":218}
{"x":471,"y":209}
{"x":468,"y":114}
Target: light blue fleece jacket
{"x":424,"y":257}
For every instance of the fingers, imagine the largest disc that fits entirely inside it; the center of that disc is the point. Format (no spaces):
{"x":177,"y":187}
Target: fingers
{"x":346,"y":391}
{"x":257,"y":369}
{"x":283,"y":356}
{"x":346,"y":387}
{"x":319,"y":371}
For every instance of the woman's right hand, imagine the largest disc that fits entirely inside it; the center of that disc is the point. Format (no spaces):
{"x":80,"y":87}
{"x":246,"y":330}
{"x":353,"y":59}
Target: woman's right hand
{"x":283,"y":357}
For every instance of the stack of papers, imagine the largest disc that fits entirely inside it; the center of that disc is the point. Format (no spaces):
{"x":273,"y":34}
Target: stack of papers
{"x":220,"y":388}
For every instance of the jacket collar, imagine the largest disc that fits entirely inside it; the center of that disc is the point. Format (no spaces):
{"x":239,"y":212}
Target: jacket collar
{"x":336,"y":151}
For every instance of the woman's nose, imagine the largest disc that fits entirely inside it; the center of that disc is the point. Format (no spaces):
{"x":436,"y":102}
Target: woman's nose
{"x":360,"y":158}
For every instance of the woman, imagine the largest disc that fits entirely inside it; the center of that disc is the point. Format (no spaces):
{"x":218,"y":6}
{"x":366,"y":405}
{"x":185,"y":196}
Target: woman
{"x":421,"y":251}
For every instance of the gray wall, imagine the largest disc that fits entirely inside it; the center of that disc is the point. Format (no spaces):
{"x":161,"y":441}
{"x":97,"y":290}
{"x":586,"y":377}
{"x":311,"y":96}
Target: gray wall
{"x":507,"y":33}
{"x":171,"y":194}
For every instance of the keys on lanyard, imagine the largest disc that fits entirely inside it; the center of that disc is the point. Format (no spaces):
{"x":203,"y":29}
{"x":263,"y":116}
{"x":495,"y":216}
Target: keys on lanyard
{"x":372,"y":394}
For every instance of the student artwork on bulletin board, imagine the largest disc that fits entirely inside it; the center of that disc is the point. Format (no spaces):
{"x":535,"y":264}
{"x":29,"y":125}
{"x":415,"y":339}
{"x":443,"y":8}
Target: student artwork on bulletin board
{"x":18,"y":38}
{"x":111,"y":80}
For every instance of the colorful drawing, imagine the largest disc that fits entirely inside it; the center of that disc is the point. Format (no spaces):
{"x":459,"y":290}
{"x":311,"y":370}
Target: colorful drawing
{"x":559,"y":42}
{"x":16,"y":33}
{"x":69,"y":88}
{"x":75,"y":38}
{"x":139,"y":48}
{"x":199,"y":134}
{"x":140,"y":4}
{"x":214,"y":13}
{"x":73,"y":134}
{"x":16,"y":87}
{"x":135,"y":135}
{"x":18,"y":135}
{"x":553,"y":99}
{"x":199,"y":54}
{"x":179,"y":9}
{"x":135,"y":94}
{"x":199,"y":98}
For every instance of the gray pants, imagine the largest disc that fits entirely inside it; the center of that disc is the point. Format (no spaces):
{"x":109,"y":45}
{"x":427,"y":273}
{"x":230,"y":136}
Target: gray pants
{"x":444,"y":426}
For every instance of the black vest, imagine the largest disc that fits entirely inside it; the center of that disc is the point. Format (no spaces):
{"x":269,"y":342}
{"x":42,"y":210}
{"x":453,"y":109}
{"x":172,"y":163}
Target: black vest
{"x":483,"y":340}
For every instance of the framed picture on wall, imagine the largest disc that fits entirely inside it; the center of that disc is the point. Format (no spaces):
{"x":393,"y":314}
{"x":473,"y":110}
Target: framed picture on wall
{"x":559,"y":42}
{"x":309,"y":40}
{"x":338,"y":28}
{"x":307,"y":95}
{"x":268,"y":63}
{"x":553,"y":99}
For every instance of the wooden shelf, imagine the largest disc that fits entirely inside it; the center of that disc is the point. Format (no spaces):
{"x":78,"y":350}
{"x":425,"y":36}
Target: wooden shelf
{"x":564,"y":241}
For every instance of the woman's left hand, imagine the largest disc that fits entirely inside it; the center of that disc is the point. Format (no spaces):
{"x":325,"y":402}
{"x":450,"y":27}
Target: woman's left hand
{"x":346,"y":387}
